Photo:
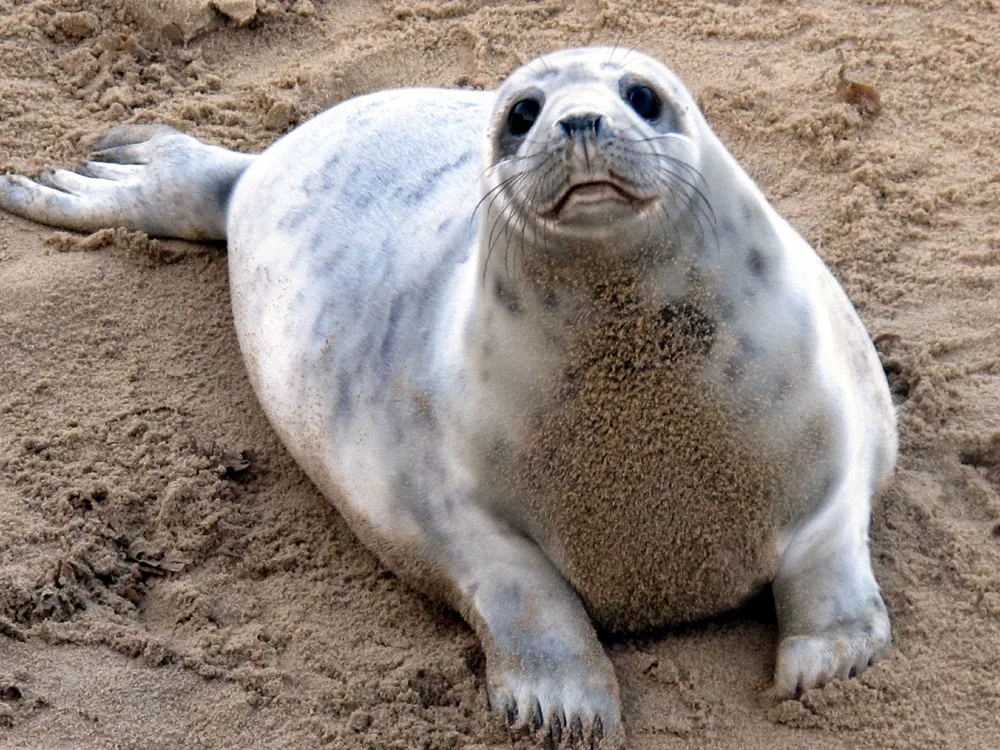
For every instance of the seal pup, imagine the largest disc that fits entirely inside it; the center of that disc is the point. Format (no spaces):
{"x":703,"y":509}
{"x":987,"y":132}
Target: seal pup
{"x":553,"y":356}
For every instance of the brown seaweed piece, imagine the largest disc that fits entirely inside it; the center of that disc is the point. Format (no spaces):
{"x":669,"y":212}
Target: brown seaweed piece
{"x":861,"y":96}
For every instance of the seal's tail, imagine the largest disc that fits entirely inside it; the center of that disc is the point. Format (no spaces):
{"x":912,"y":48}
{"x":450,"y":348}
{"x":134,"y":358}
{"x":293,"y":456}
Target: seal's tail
{"x":149,"y":178}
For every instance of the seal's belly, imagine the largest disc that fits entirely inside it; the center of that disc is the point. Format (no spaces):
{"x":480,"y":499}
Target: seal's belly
{"x":647,"y":486}
{"x":656,"y":512}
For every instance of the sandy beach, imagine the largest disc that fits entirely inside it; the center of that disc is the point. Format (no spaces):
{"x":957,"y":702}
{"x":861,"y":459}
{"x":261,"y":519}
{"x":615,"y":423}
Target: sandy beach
{"x":170,"y":579}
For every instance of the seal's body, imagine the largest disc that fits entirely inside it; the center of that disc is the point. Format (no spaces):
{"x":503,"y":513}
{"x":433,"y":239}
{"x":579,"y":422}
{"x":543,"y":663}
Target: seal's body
{"x":592,"y":376}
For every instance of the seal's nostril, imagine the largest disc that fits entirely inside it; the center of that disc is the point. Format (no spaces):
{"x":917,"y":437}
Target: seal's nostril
{"x":580,"y":123}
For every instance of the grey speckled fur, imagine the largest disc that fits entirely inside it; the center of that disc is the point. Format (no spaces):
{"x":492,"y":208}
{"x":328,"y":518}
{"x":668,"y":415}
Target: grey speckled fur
{"x":411,"y":278}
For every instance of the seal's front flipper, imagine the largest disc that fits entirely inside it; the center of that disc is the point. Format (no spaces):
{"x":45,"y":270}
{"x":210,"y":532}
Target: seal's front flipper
{"x":831,"y":618}
{"x":545,"y":668}
{"x":143,"y":177}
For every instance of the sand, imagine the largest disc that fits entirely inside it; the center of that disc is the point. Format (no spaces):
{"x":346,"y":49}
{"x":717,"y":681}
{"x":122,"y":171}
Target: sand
{"x":169,"y":578}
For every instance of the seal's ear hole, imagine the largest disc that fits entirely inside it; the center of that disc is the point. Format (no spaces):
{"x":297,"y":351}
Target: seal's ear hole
{"x":646,"y":102}
{"x":523,"y":115}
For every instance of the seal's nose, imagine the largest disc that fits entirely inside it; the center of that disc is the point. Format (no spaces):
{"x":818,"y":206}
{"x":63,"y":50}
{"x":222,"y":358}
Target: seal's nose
{"x":574,"y":124}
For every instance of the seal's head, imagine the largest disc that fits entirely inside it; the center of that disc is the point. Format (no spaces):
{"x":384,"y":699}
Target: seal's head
{"x":593,"y":146}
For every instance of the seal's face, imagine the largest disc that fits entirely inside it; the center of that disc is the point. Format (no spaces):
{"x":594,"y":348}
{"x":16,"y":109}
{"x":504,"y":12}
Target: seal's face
{"x":594,"y":144}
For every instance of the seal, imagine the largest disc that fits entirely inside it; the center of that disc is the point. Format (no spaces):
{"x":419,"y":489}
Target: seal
{"x":553,"y":356}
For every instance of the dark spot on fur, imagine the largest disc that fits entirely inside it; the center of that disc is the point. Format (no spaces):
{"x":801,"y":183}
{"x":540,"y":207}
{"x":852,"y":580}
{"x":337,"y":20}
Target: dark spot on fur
{"x":805,"y":335}
{"x":364,"y":349}
{"x":512,"y":714}
{"x":826,"y":485}
{"x":223,"y":192}
{"x":406,"y":486}
{"x":727,"y":310}
{"x":508,"y":597}
{"x":426,"y":181}
{"x":550,"y":300}
{"x":508,"y":298}
{"x":422,"y":407}
{"x":555,"y":338}
{"x":392,"y":328}
{"x":536,"y":716}
{"x":782,"y":387}
{"x":344,"y":398}
{"x":486,"y":340}
{"x":733,"y":369}
{"x":501,"y":449}
{"x":757,"y":263}
{"x":687,"y":327}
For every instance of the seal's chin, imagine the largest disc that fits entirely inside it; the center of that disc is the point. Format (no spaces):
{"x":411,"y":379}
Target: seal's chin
{"x":598,"y":202}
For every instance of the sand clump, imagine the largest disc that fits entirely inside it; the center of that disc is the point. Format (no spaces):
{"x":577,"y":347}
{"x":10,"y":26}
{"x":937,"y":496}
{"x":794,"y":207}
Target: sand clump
{"x":153,"y":593}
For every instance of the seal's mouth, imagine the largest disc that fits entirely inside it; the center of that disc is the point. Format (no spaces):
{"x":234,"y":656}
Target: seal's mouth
{"x":597,"y":196}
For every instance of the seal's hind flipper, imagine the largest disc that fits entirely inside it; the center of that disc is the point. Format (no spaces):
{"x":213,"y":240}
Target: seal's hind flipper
{"x":145,"y":177}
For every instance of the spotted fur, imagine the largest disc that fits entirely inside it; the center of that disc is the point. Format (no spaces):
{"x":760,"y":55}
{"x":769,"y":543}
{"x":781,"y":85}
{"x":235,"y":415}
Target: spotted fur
{"x":426,"y":300}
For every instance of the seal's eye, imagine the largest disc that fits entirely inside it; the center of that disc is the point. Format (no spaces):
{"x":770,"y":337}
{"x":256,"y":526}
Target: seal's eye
{"x":644,"y":101}
{"x":522,"y":116}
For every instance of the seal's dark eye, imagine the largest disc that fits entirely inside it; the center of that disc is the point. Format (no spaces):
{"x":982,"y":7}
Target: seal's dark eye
{"x":644,"y":101}
{"x":522,"y":116}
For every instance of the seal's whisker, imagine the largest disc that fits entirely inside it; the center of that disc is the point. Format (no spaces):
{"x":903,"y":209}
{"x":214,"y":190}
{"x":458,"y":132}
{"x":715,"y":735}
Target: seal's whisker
{"x":509,"y":159}
{"x":668,"y":223}
{"x":614,"y":48}
{"x":541,"y":59}
{"x":621,"y":63}
{"x":629,"y":129}
{"x":488,"y":194}
{"x":682,"y":165}
{"x":697,"y":200}
{"x":507,"y":226}
{"x":502,"y":184}
{"x":680,"y":162}
{"x":702,"y":199}
{"x":659,"y":137}
{"x":694,"y":200}
{"x":529,"y":206}
{"x":524,"y":220}
{"x":502,"y":214}
{"x":533,"y":205}
{"x":500,"y":222}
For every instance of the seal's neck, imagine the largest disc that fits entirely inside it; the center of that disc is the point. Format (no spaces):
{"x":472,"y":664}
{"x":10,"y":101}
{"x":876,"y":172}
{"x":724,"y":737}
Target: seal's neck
{"x":530,"y":333}
{"x":549,"y":289}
